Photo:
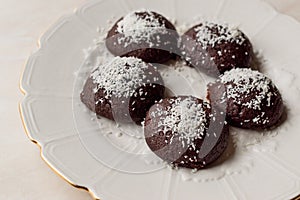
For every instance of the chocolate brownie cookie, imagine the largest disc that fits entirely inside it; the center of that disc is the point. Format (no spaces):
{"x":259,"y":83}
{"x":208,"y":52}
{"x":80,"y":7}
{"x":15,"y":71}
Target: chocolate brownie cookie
{"x":252,"y":100}
{"x":214,"y":48}
{"x":143,"y":34}
{"x":123,"y":89}
{"x":185,"y":132}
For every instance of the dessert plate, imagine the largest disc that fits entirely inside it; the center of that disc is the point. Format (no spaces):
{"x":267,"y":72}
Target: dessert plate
{"x":112,"y":161}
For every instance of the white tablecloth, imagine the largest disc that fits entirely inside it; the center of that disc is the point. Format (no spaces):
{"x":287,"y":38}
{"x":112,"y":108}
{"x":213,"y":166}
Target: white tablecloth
{"x":23,"y":174}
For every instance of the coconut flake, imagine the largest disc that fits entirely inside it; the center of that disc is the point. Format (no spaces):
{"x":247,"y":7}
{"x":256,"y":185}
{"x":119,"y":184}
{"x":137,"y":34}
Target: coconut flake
{"x":120,"y":77}
{"x":245,"y":82}
{"x":210,"y":34}
{"x":137,"y":28}
{"x":186,"y":119}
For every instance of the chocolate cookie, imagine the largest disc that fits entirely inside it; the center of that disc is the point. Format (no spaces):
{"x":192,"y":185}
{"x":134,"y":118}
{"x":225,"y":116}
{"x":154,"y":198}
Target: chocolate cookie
{"x":186,"y":132}
{"x":252,"y":100}
{"x":143,"y":34}
{"x":123,"y":89}
{"x":214,"y":48}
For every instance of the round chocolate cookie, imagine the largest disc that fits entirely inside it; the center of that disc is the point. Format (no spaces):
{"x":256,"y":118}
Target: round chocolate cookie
{"x":123,"y":89}
{"x":252,"y":100}
{"x":143,"y":34}
{"x":214,"y":48}
{"x":185,"y":132}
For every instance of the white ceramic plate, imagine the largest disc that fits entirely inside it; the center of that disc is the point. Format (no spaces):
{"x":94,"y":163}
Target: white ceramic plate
{"x":115,"y":166}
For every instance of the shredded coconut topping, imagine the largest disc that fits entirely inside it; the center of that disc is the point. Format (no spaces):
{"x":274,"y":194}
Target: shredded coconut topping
{"x":120,"y":77}
{"x":186,"y":119}
{"x":139,"y":26}
{"x":245,"y":82}
{"x":210,"y":34}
